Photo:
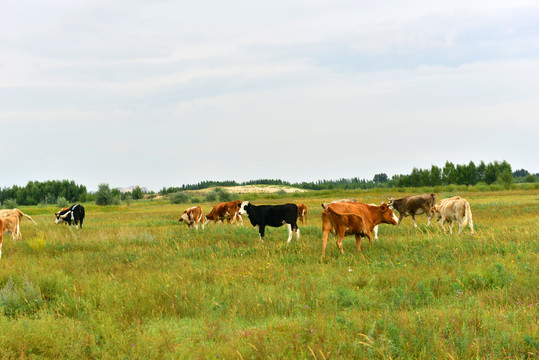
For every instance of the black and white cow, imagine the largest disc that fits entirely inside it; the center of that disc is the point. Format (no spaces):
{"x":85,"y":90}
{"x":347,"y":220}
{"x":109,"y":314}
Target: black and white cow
{"x":272,"y":215}
{"x":73,"y":214}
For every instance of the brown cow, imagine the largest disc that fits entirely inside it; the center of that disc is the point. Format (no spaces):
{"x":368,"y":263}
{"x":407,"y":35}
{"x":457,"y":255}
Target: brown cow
{"x":11,"y":225}
{"x":193,"y":216}
{"x":354,"y":219}
{"x":228,"y":211}
{"x":302,"y":212}
{"x":414,"y":205}
{"x":19,"y":214}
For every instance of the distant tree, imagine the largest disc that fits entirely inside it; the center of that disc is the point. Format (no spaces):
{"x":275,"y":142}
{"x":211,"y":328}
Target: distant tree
{"x":481,"y":171}
{"x":521,"y":173}
{"x":530,"y":178}
{"x":380,"y":178}
{"x":506,"y":178}
{"x":137,"y":193}
{"x":104,"y":195}
{"x":180,"y":197}
{"x":490,"y":173}
{"x":449,"y":174}
{"x":473,"y":177}
{"x":435,"y":176}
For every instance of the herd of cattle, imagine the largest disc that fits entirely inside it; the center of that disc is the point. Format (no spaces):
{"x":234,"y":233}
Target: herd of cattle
{"x":340,"y":217}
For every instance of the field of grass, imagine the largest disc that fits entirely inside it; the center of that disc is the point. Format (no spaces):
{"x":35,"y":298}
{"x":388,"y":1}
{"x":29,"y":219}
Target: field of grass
{"x":134,"y":283}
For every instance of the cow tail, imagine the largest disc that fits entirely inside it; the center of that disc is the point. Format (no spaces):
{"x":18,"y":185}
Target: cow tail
{"x":468,"y":214}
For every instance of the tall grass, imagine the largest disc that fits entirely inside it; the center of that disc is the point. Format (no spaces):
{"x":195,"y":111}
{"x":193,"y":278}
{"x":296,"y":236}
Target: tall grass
{"x":135,"y":283}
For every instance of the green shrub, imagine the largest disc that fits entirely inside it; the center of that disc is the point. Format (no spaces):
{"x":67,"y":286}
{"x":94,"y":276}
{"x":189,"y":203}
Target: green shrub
{"x":20,"y":299}
{"x":10,"y":204}
{"x":62,"y":202}
{"x":180,"y":197}
{"x":104,"y":196}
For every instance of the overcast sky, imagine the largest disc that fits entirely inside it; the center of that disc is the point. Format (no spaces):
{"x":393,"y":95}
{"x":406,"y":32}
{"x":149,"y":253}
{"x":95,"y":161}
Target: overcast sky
{"x":165,"y":93}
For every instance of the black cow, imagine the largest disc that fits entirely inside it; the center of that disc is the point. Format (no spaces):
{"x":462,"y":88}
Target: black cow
{"x":414,"y":205}
{"x":272,"y":215}
{"x":73,"y":214}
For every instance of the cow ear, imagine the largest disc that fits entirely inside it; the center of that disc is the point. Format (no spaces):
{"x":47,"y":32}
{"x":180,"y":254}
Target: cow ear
{"x":383,"y":207}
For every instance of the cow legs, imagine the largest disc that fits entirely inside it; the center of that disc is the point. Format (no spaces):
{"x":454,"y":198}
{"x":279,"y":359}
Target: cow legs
{"x":289,"y":233}
{"x":358,"y":242}
{"x":375,"y":229}
{"x":430,"y":217}
{"x":340,"y":238}
{"x":261,"y":231}
{"x":413,"y":219}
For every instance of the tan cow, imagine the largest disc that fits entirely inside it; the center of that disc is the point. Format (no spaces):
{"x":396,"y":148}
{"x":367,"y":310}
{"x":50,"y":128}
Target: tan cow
{"x":354,"y":219}
{"x":228,"y":211}
{"x":449,"y":210}
{"x":302,"y":212}
{"x":11,"y":225}
{"x":19,"y":214}
{"x":193,"y":216}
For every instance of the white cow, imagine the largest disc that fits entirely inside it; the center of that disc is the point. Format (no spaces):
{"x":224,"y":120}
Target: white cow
{"x":449,"y":210}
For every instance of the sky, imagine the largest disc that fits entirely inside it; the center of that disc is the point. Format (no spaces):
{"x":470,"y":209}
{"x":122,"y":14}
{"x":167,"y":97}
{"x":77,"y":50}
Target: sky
{"x":165,"y":93}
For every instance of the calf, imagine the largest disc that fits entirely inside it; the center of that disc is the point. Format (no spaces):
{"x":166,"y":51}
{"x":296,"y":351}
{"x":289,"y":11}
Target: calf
{"x":193,"y":216}
{"x":11,"y":225}
{"x":354,"y":219}
{"x":454,"y":210}
{"x":228,"y":211}
{"x":302,"y":212}
{"x":272,"y":215}
{"x":73,"y":214}
{"x":414,"y":205}
{"x":19,"y":214}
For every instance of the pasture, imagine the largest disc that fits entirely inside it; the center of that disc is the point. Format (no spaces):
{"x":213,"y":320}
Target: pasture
{"x":134,"y":283}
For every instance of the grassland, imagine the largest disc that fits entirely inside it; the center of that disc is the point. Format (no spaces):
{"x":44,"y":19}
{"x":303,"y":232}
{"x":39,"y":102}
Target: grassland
{"x":136,"y":284}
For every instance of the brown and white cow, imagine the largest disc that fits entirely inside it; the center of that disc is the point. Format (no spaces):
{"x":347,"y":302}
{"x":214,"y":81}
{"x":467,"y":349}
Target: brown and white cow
{"x":302,"y":212}
{"x":414,"y":205}
{"x":193,"y":216}
{"x":11,"y":225}
{"x":449,"y":210}
{"x":228,"y":211}
{"x":17,"y":213}
{"x":354,"y":219}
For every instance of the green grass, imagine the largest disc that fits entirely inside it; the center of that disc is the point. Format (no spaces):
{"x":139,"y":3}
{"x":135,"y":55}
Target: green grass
{"x":135,"y":283}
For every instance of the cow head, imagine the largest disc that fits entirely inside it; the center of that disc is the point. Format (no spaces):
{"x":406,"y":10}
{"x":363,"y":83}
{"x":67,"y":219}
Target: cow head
{"x":184,"y":217}
{"x":388,"y":215}
{"x":390,"y":203}
{"x":244,"y":206}
{"x":436,"y":210}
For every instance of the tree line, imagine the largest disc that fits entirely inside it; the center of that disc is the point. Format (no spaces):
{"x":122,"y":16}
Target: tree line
{"x":62,"y":191}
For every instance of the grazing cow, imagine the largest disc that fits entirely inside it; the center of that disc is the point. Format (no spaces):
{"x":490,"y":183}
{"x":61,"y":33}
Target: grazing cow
{"x":19,"y":214}
{"x":454,"y":210}
{"x":414,"y":205}
{"x":302,"y":212}
{"x":272,"y":215}
{"x":193,"y":216}
{"x":354,"y":219}
{"x":73,"y":214}
{"x":228,"y":211}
